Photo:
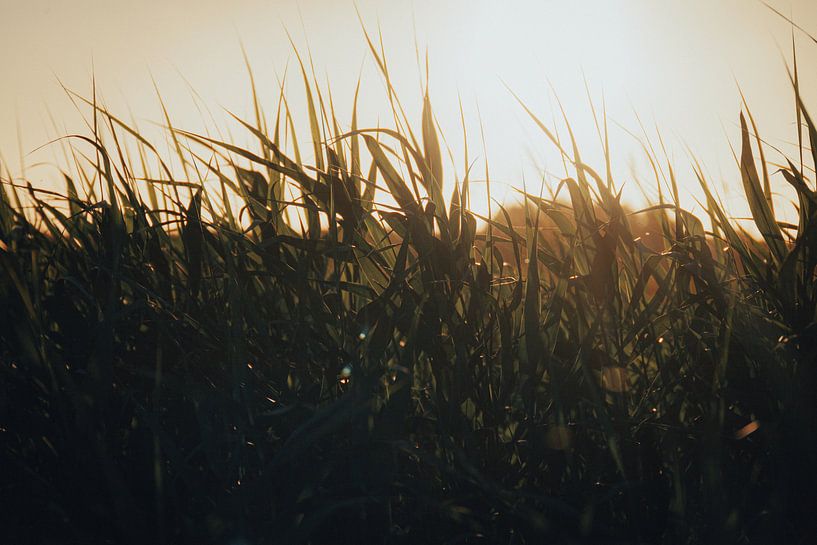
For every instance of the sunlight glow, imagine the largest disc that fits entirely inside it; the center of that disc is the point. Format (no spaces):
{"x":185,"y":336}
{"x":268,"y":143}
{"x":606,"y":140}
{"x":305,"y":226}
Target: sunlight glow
{"x":664,"y":74}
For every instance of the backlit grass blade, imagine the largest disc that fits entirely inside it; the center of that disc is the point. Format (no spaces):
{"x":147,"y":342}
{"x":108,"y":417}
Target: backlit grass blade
{"x":762,"y":214}
{"x":431,"y":148}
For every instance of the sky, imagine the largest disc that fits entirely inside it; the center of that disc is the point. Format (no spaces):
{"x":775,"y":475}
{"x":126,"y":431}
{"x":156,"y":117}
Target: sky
{"x":675,"y":67}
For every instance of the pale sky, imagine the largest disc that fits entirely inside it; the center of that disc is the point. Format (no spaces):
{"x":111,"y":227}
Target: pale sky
{"x":676,"y":63}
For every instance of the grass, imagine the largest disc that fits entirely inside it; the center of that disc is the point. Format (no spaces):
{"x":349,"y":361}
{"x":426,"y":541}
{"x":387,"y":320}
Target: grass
{"x":327,"y":369}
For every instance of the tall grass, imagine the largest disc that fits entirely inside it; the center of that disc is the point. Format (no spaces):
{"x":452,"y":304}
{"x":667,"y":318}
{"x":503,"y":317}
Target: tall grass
{"x":316,"y":367}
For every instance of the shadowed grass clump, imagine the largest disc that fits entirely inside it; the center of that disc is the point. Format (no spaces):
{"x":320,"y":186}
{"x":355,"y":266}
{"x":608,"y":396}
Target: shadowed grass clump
{"x":311,"y":366}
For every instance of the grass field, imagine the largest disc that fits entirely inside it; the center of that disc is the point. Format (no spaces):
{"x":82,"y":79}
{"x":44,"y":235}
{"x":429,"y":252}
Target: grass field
{"x":222,"y":362}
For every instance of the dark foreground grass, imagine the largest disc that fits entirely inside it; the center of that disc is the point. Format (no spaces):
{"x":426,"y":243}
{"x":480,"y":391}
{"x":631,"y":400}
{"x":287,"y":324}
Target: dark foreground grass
{"x":171,"y":373}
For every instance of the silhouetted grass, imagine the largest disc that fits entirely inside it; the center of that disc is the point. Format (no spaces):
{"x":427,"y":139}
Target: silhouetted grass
{"x":174,"y":372}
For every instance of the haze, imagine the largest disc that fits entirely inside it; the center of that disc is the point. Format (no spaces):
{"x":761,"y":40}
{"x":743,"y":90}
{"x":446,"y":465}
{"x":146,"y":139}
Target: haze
{"x":677,"y":64}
